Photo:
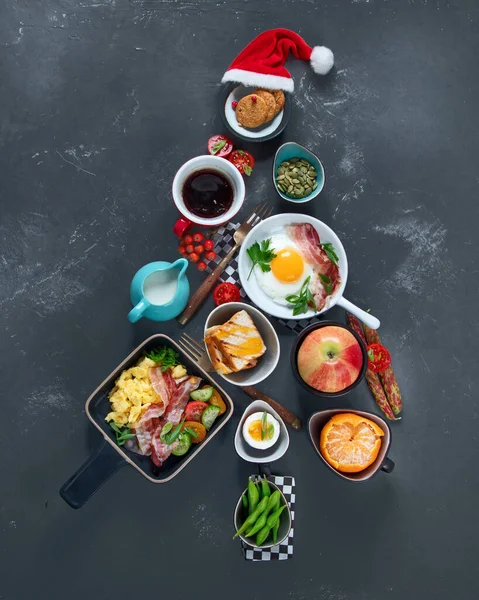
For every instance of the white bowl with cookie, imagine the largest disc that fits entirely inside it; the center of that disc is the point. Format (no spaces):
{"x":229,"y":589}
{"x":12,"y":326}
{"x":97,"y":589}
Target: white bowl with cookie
{"x":255,"y":114}
{"x":242,"y":345}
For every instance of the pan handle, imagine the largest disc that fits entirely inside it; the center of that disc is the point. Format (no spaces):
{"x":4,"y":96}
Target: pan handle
{"x":91,"y":475}
{"x":361,"y":314}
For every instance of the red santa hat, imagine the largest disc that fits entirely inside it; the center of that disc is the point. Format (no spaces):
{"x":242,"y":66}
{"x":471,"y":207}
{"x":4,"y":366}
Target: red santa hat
{"x":261,"y":63}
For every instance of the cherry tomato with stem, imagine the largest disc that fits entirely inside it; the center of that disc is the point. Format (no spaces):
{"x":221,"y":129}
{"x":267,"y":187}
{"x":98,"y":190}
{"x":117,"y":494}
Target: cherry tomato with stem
{"x":198,"y":237}
{"x":194,"y":257}
{"x":201,"y":266}
{"x":211,"y":255}
{"x":209,"y":244}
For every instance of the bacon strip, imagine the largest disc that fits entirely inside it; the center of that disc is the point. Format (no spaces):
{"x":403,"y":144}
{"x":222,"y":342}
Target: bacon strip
{"x":173,"y":414}
{"x":146,"y":427}
{"x":160,"y":384}
{"x":307,"y":238}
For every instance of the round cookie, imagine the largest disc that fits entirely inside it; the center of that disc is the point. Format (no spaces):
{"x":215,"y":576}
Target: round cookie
{"x":279,"y":99}
{"x":251,"y":111}
{"x":270,"y":103}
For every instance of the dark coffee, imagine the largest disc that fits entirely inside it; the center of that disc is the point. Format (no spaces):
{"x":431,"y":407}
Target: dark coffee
{"x":207,"y":194}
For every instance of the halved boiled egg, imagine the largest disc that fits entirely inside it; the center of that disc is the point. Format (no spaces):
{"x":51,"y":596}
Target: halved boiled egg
{"x":261,"y":430}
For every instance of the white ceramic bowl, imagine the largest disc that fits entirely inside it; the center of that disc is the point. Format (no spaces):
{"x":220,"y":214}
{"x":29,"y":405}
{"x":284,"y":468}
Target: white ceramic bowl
{"x":263,"y":231}
{"x":267,"y":363}
{"x":246,"y":452}
{"x":214,"y":163}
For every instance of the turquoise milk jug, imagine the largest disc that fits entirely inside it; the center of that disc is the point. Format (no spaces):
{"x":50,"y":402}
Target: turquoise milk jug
{"x":159,"y":291}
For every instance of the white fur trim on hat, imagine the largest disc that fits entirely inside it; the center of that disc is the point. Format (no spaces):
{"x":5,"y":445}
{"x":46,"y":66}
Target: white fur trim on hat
{"x":322,"y":60}
{"x":249,"y":78}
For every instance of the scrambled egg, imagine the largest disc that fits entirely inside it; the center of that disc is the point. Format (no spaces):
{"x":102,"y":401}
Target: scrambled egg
{"x":132,"y":394}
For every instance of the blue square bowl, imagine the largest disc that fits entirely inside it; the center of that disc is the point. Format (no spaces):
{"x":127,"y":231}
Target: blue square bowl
{"x":292,"y":150}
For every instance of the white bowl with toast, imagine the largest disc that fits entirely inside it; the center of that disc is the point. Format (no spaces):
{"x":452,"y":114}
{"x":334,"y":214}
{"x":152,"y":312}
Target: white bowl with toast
{"x":242,"y":345}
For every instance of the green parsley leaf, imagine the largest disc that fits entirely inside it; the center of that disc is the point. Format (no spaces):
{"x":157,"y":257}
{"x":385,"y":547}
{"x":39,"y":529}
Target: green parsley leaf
{"x":163,"y":355}
{"x":331,"y":253}
{"x":261,"y":255}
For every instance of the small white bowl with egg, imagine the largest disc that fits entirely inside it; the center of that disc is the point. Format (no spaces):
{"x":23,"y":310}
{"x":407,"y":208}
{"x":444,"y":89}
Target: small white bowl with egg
{"x":249,"y":447}
{"x":290,"y":269}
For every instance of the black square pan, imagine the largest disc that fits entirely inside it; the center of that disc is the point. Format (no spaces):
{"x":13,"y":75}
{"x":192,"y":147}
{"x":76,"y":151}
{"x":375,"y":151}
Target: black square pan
{"x":110,"y":457}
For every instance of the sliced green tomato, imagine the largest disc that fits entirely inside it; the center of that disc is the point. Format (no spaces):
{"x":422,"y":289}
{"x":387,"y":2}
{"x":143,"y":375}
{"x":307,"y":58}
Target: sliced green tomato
{"x":202,"y":395}
{"x":182,"y":444}
{"x":209,"y":416}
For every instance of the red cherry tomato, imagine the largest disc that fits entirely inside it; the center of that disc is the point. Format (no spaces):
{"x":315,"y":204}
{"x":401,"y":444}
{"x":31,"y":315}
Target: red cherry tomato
{"x":188,"y":239}
{"x":182,"y":249}
{"x":243,"y":161}
{"x":198,"y":237}
{"x":226,"y":292}
{"x":220,"y":145}
{"x":379,"y":358}
{"x":189,"y":248}
{"x":194,"y":257}
{"x":211,"y":255}
{"x":194,"y":410}
{"x":199,"y":249}
{"x":201,"y":265}
{"x":209,"y":244}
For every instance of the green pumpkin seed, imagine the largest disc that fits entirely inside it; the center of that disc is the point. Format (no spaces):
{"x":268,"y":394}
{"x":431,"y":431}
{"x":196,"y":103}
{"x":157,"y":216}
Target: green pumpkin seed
{"x":295,"y":180}
{"x":308,"y":191}
{"x":294,"y":160}
{"x":280,"y":177}
{"x":304,"y":170}
{"x":315,"y":185}
{"x":290,"y":189}
{"x":295,"y":170}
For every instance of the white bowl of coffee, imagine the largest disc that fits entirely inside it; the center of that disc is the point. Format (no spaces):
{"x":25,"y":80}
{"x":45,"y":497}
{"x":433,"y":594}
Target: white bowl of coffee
{"x":208,"y":191}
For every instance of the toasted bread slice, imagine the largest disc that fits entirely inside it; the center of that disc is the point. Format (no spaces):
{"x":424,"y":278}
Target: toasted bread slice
{"x":239,"y":337}
{"x":216,"y":356}
{"x":235,"y":363}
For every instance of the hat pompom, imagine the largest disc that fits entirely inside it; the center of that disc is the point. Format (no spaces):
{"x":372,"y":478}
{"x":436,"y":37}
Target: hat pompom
{"x":322,"y":60}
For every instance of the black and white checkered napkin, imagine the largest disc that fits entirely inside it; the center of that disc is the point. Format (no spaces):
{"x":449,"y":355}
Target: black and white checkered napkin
{"x":285,"y":550}
{"x":223,"y":239}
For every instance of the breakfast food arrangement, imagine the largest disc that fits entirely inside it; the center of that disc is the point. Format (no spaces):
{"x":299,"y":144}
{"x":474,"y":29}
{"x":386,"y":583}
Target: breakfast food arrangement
{"x":161,"y":405}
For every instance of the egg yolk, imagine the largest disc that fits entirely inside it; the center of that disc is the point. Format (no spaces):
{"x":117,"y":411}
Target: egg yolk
{"x":254,"y":430}
{"x":288,"y":266}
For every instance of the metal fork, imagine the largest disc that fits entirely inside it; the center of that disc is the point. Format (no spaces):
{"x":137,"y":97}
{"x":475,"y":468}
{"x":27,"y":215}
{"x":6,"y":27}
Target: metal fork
{"x":260,"y":212}
{"x":198,"y":353}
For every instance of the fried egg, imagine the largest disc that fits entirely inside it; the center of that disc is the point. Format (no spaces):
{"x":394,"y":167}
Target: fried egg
{"x":259,"y":433}
{"x":288,"y":270}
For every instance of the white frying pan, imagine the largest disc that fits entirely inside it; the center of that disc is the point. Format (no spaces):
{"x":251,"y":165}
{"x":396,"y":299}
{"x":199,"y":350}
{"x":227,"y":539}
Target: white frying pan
{"x":265,"y":230}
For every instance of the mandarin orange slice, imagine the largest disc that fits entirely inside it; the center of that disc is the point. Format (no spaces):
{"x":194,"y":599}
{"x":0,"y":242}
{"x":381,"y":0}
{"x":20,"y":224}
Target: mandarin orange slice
{"x":350,"y":443}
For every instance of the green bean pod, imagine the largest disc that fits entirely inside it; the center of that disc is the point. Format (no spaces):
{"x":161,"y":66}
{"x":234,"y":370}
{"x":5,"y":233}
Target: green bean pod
{"x":265,"y":489}
{"x":275,"y":531}
{"x":260,"y":523}
{"x":273,"y":501}
{"x":270,"y":522}
{"x":245,"y":501}
{"x":253,"y":496}
{"x":251,"y":520}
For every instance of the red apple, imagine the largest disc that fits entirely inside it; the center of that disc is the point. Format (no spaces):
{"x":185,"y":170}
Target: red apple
{"x":330,"y":359}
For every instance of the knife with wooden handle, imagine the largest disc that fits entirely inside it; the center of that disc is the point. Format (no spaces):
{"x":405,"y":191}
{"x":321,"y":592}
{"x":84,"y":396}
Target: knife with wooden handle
{"x":287,"y":416}
{"x":205,"y":288}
